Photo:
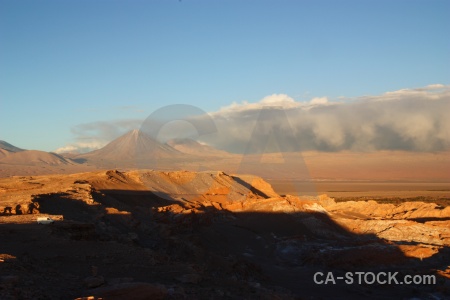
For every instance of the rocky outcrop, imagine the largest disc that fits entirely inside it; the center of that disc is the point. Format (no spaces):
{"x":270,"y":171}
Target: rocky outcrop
{"x":193,"y":231}
{"x":400,"y":230}
{"x":403,"y":211}
{"x":417,"y":222}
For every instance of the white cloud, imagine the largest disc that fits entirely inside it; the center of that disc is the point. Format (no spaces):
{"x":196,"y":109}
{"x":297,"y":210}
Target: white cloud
{"x":430,"y":92}
{"x":67,"y":149}
{"x":435,"y":86}
{"x":319,"y":100}
{"x":278,"y":100}
{"x":275,"y":100}
{"x":407,"y":119}
{"x":81,"y":147}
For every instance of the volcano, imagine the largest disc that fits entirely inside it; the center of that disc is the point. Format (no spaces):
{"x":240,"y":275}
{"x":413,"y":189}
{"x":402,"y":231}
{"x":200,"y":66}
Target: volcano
{"x":129,"y":149}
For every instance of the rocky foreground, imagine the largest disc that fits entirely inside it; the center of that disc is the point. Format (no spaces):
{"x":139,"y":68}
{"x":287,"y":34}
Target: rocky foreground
{"x":207,"y":235}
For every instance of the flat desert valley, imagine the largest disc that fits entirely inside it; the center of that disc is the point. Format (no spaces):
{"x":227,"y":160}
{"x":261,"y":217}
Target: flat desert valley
{"x":220,"y":226}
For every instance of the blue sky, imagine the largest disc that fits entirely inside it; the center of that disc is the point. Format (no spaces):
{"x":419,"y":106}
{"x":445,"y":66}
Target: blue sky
{"x":66,"y":63}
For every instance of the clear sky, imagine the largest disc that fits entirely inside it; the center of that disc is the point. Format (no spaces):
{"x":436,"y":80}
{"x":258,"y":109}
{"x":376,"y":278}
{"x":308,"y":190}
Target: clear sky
{"x":66,"y":63}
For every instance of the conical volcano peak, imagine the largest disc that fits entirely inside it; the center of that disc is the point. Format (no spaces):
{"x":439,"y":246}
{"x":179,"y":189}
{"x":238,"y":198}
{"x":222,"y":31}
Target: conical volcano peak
{"x":133,"y":146}
{"x":135,"y":132}
{"x":136,"y":135}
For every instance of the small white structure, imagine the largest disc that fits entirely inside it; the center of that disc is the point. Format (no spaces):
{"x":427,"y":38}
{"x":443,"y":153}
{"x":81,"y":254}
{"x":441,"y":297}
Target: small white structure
{"x":45,"y":220}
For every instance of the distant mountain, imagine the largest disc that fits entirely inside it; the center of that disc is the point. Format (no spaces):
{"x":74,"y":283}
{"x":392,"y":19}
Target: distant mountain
{"x":193,"y":147}
{"x":34,"y":157}
{"x":13,"y":155}
{"x":7,"y":146}
{"x":131,"y":147}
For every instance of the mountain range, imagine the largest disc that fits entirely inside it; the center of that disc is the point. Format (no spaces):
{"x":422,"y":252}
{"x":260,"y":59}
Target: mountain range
{"x":137,"y":150}
{"x":133,"y":149}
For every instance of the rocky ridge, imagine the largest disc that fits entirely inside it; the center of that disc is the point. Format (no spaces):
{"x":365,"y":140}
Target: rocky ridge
{"x":190,"y":231}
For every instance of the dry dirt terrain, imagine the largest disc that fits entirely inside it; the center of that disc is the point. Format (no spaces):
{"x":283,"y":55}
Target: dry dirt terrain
{"x":208,"y":235}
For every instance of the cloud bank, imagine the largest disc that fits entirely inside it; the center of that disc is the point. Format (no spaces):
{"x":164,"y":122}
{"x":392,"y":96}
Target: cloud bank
{"x":408,"y":119}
